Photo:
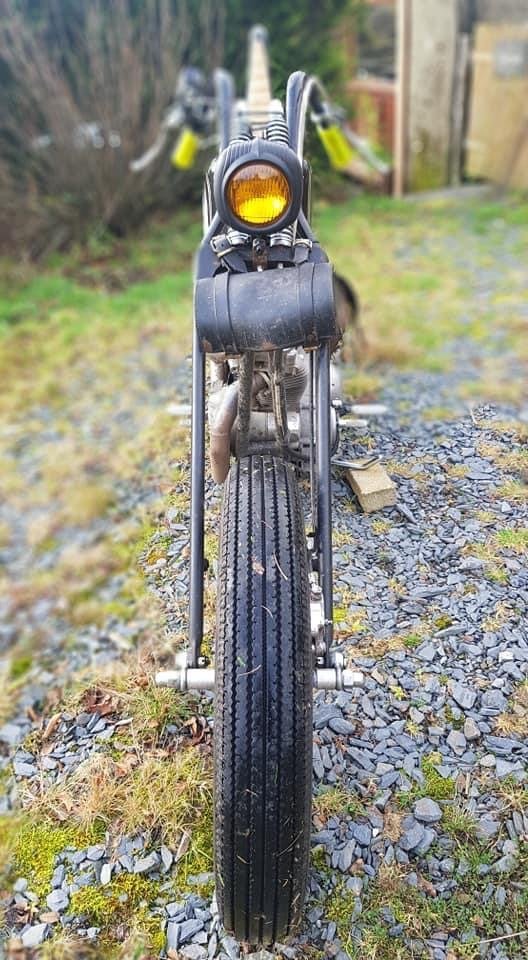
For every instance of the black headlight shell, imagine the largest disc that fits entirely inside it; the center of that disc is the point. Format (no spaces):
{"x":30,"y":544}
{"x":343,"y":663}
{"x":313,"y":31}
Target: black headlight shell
{"x":258,"y":186}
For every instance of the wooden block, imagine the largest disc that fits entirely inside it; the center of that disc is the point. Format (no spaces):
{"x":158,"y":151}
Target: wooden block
{"x":373,"y":487}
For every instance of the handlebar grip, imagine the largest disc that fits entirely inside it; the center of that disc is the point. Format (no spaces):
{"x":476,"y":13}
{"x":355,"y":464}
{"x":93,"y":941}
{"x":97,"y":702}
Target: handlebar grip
{"x":337,"y":147}
{"x":185,"y":150}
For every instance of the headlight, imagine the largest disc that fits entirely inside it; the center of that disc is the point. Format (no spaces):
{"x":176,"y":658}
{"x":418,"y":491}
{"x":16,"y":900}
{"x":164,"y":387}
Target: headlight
{"x":258,"y":186}
{"x":258,"y":194}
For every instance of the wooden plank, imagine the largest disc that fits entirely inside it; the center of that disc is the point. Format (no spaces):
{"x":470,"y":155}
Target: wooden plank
{"x":403,"y":65}
{"x":495,"y":147}
{"x":457,"y":111}
{"x":433,"y":50}
{"x":373,"y":487}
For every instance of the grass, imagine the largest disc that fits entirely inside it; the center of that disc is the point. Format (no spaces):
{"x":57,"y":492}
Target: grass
{"x":496,"y":549}
{"x":378,"y":647}
{"x":514,"y":721}
{"x":72,"y":332}
{"x":336,"y":801}
{"x":414,"y":299}
{"x":465,"y":914}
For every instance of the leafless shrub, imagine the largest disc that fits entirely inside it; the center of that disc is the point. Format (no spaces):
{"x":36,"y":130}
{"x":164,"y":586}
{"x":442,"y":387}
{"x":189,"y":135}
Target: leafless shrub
{"x":65,"y":66}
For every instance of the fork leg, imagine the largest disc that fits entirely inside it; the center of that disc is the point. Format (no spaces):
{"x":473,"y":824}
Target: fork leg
{"x":324,"y":492}
{"x":197,"y":501}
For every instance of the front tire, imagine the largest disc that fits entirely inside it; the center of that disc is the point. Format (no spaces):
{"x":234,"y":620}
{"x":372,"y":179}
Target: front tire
{"x":263,"y":704}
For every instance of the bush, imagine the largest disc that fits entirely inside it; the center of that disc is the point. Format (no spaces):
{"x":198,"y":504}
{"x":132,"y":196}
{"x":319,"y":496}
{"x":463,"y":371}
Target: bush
{"x":84,"y":86}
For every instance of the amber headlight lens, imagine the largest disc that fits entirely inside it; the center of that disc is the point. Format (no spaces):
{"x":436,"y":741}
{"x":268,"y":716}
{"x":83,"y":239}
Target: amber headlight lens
{"x":258,"y":194}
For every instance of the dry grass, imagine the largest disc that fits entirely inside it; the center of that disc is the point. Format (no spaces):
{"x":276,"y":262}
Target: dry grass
{"x":494,"y":551}
{"x":408,"y":470}
{"x":362,"y":385}
{"x":392,"y":820}
{"x":335,"y":801}
{"x":378,"y":647}
{"x":514,"y":490}
{"x":166,"y":794}
{"x":514,"y":721}
{"x":85,"y":502}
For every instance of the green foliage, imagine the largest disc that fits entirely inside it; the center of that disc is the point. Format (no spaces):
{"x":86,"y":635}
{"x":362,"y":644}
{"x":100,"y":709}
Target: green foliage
{"x":302,"y":37}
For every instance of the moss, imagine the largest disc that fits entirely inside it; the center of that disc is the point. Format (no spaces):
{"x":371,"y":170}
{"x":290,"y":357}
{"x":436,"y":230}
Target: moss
{"x":118,"y":901}
{"x":37,"y":844}
{"x":434,"y":785}
{"x":461,"y":913}
{"x":319,"y":860}
{"x":339,"y":908}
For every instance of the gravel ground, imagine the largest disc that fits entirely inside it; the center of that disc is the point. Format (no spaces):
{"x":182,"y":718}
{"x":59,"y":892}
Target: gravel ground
{"x":419,"y":777}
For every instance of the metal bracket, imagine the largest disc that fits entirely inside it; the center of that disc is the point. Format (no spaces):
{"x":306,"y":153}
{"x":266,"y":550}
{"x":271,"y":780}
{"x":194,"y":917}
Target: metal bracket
{"x":355,"y":464}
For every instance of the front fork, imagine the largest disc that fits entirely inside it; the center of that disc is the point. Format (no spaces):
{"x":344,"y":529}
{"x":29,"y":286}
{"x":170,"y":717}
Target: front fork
{"x":191,"y":670}
{"x":323,"y":477}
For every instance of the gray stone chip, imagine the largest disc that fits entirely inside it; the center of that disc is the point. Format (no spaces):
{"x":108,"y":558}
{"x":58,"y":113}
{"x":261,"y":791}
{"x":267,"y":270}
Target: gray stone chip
{"x":35,"y":935}
{"x":427,"y":810}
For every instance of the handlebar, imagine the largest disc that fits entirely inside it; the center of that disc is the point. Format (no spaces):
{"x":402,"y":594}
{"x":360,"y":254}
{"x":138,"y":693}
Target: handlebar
{"x":204,"y":113}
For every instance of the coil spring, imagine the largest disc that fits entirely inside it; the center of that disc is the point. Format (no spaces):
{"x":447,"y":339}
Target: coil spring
{"x":283,"y":238}
{"x":277,"y":130}
{"x":237,"y":239}
{"x":242,"y":128}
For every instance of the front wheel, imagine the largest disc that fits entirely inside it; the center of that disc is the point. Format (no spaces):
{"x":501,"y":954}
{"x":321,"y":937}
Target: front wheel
{"x":263,"y":708}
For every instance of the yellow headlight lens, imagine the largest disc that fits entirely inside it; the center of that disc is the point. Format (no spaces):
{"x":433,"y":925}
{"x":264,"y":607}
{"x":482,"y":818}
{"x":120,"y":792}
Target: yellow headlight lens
{"x":258,"y":194}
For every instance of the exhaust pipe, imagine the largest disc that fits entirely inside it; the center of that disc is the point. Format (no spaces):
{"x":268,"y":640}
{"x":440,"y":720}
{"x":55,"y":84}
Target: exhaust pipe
{"x":221,"y":429}
{"x":220,"y":433}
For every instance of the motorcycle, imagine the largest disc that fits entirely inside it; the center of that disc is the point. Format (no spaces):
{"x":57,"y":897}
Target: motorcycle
{"x":269,"y":318}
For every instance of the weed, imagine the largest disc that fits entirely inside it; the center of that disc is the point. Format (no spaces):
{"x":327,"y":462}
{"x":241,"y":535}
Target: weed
{"x":380,"y":526}
{"x":457,"y":822}
{"x":412,"y":640}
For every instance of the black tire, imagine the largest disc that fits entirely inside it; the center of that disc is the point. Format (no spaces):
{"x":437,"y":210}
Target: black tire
{"x":263,"y":708}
